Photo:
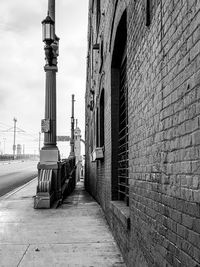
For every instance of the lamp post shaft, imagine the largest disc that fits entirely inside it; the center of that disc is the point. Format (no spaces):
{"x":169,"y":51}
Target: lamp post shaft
{"x":51,"y":9}
{"x":50,"y":107}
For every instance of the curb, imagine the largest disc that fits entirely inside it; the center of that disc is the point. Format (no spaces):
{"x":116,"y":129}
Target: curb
{"x":17,"y":189}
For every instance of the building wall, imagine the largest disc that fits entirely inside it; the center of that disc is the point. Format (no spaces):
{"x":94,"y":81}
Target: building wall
{"x":161,"y":225}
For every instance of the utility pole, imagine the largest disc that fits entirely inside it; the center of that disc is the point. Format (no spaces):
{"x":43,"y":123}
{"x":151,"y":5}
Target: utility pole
{"x":39,"y":141}
{"x":14,"y":146}
{"x":72,"y":154}
{"x":4,"y":146}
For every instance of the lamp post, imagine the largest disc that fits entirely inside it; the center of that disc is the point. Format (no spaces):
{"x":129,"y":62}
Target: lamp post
{"x":50,"y":150}
{"x":48,"y":187}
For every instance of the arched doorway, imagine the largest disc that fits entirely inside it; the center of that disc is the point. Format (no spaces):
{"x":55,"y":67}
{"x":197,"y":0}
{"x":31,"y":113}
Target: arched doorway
{"x":119,"y":114}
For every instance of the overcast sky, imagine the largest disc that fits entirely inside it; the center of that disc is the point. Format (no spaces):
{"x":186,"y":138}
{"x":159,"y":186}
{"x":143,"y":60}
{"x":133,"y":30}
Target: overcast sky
{"x":22,"y":77}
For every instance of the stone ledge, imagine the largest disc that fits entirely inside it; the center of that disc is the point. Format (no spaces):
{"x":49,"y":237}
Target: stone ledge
{"x":122,"y":212}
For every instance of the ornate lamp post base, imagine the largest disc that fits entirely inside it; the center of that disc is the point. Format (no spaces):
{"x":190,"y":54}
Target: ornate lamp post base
{"x":49,"y":187}
{"x":49,"y":182}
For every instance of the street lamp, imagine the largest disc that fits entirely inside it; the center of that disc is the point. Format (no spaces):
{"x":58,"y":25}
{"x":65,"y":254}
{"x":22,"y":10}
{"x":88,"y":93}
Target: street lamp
{"x":48,"y":37}
{"x":48,"y":166}
{"x":48,"y":30}
{"x":51,"y":52}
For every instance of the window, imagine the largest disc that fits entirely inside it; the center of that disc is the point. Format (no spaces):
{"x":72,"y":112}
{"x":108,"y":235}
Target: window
{"x":91,"y":56}
{"x":101,"y":54}
{"x":92,"y":6}
{"x":98,"y":15}
{"x":102,"y":119}
{"x":91,"y":140}
{"x":97,"y":127}
{"x":119,"y":114}
{"x":123,"y":149}
{"x":148,"y":12}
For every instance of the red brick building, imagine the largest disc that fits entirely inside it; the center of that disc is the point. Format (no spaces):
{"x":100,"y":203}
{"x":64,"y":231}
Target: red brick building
{"x":143,"y":126}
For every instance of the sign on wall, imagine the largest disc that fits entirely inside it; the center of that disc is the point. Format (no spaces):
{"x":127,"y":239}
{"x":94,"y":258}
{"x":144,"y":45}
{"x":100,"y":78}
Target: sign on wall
{"x":45,"y":126}
{"x":63,"y":138}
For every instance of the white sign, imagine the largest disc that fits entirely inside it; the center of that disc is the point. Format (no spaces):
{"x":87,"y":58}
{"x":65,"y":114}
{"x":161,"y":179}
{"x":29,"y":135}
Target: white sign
{"x":45,"y":126}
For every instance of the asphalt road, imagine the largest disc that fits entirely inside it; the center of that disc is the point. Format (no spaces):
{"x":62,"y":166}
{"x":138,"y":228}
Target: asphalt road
{"x":15,"y":174}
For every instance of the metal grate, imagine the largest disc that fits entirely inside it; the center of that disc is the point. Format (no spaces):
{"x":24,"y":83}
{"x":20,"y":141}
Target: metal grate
{"x":123,"y":180}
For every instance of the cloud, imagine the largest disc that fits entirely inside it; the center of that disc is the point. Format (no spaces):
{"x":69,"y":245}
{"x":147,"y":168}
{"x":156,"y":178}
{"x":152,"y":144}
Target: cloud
{"x":2,"y":97}
{"x":21,"y":16}
{"x":22,"y":86}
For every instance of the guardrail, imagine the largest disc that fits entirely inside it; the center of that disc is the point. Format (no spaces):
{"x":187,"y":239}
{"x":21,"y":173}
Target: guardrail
{"x":17,"y":157}
{"x":55,"y":182}
{"x":68,"y":177}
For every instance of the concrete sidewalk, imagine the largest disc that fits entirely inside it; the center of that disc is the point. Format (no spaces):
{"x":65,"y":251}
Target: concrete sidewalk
{"x":76,"y":234}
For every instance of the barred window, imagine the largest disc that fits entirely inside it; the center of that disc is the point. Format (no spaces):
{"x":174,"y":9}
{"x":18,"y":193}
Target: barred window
{"x":97,"y":127}
{"x":102,"y":119}
{"x":123,"y":147}
{"x":119,"y":113}
{"x":148,"y":12}
{"x":98,"y":15}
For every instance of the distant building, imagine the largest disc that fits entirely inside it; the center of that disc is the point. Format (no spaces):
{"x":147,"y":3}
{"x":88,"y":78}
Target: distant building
{"x":77,"y":144}
{"x":143,"y":127}
{"x":77,"y":151}
{"x":1,"y":150}
{"x":19,"y":149}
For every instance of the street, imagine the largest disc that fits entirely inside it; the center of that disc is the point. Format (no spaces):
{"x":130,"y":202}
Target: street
{"x":15,"y":174}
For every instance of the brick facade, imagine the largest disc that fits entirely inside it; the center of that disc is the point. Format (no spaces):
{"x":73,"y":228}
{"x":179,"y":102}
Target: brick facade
{"x":161,"y":224}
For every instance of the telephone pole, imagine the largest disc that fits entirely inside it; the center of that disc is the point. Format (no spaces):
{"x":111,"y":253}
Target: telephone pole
{"x":39,"y":141}
{"x":14,"y":146}
{"x":72,"y":154}
{"x":4,"y":146}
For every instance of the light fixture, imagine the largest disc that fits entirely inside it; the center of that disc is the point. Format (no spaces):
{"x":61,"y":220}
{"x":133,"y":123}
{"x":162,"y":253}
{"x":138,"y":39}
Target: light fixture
{"x":48,"y":30}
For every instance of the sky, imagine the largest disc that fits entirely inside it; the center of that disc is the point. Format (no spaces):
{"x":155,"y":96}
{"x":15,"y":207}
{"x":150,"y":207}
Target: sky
{"x":22,"y":76}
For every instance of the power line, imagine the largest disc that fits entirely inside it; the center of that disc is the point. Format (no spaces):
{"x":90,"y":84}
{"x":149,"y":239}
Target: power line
{"x":19,"y":130}
{"x":5,"y":124}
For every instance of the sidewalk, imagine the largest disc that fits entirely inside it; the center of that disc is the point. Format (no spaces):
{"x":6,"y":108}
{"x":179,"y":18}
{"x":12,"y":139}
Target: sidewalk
{"x":76,"y":234}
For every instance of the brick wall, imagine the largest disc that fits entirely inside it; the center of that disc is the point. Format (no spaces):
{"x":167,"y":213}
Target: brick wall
{"x":164,"y":130}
